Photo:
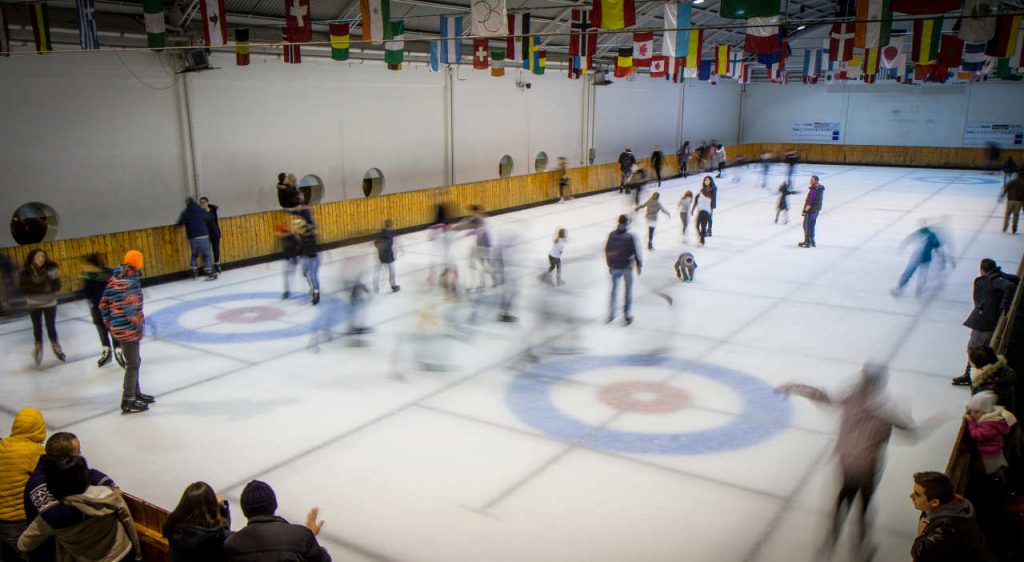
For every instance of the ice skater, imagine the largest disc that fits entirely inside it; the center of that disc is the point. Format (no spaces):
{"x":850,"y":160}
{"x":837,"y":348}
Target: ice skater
{"x":685,"y":203}
{"x":309,"y":256}
{"x":766,"y":166}
{"x":929,"y":245}
{"x":653,"y":206}
{"x":563,"y":179}
{"x":290,"y":249}
{"x":812,"y":206}
{"x":685,"y":267}
{"x":121,"y":306}
{"x":626,"y":161}
{"x":782,"y":205}
{"x":621,"y":256}
{"x":684,"y":158}
{"x":94,"y":281}
{"x":720,"y":158}
{"x":555,"y":259}
{"x":385,"y":244}
{"x":480,"y":256}
{"x":656,"y":161}
{"x":702,"y":206}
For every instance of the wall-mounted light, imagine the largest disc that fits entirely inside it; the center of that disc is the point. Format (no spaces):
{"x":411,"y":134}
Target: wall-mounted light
{"x":801,"y":27}
{"x":698,"y":1}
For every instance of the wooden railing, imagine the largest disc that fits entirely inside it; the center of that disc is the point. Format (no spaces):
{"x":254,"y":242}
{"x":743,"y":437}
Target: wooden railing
{"x":149,"y":523}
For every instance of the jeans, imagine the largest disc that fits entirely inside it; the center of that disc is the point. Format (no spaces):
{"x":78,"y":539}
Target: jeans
{"x":810,"y":219}
{"x":922,"y":276}
{"x":390,"y":266}
{"x":200,"y":246}
{"x":215,"y":245}
{"x":289,"y":268}
{"x":703,"y":225}
{"x":617,"y":274}
{"x":37,"y":315}
{"x":685,"y":217}
{"x":657,"y":172}
{"x":132,"y":362}
{"x":311,"y":271}
{"x":625,"y":178}
{"x":554,"y":264}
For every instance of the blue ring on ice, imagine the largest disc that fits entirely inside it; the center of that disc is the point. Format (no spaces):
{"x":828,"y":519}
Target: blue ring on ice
{"x":955,"y":178}
{"x":764,"y":413}
{"x":165,"y":323}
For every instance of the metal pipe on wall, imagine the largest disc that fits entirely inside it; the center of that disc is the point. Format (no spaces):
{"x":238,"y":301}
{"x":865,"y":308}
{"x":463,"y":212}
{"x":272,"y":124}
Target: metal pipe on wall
{"x":190,"y":140}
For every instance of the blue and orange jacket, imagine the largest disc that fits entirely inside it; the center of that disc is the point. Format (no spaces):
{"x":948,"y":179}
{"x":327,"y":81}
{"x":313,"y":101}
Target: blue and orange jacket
{"x":121,"y":304}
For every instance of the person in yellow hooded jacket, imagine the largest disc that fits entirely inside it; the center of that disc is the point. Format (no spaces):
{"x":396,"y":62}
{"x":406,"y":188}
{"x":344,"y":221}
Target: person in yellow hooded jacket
{"x":19,"y":454}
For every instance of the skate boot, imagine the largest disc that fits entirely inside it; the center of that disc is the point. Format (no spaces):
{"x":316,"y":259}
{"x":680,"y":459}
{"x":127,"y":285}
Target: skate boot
{"x":195,"y":273}
{"x":58,"y":352}
{"x":132,"y":406}
{"x":37,"y":353}
{"x":316,"y":298}
{"x":145,"y":398}
{"x":105,"y":357}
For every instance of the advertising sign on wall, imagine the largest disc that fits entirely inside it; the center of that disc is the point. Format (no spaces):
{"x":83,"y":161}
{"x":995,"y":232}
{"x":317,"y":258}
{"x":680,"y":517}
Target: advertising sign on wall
{"x":1002,"y":134}
{"x":815,"y":132}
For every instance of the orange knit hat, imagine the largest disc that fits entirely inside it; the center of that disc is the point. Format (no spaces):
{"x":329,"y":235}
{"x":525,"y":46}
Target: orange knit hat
{"x":134,"y":259}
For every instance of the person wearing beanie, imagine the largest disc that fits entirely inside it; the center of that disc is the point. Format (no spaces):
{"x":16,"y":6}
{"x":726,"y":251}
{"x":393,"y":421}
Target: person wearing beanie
{"x":989,"y":423}
{"x":269,"y":538}
{"x":121,"y":306}
{"x":19,"y":454}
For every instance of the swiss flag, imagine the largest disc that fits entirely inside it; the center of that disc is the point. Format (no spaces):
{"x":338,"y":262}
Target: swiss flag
{"x":659,"y":66}
{"x":298,"y":22}
{"x":481,"y":60}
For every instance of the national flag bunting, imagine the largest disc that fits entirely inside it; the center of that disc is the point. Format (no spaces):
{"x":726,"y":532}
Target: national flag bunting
{"x":156,"y":28}
{"x":215,"y":30}
{"x":659,"y":66}
{"x":613,"y":14}
{"x":292,"y":51}
{"x":434,"y":58}
{"x":88,"y":39}
{"x":41,"y":28}
{"x":341,"y":40}
{"x":242,"y":46}
{"x":1004,"y":43}
{"x":582,"y":43}
{"x":518,"y":42}
{"x":704,"y":70}
{"x":893,"y":53}
{"x":743,"y":9}
{"x":951,"y":51}
{"x":451,"y":33}
{"x":540,"y":59}
{"x":870,"y":68}
{"x":530,"y":58}
{"x":5,"y":34}
{"x":925,"y":6}
{"x":874,"y":23}
{"x":481,"y":60}
{"x":497,"y":63}
{"x":926,"y":40}
{"x":840,"y":43}
{"x":677,"y":34}
{"x":394,"y":50}
{"x":695,"y":43}
{"x":762,"y":35}
{"x":812,"y":66}
{"x":624,"y":62}
{"x":735,"y":60}
{"x":488,"y":18}
{"x":974,"y":56}
{"x":721,"y":59}
{"x":974,"y":26}
{"x":298,"y":21}
{"x":643,"y":48}
{"x":376,"y":16}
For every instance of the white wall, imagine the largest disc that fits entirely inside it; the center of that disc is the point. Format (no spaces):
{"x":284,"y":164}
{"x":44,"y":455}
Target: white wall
{"x":637,"y":114}
{"x":711,"y":112}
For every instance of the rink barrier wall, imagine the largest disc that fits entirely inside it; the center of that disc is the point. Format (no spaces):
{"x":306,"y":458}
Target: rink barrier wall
{"x":249,"y":239}
{"x":149,"y":524}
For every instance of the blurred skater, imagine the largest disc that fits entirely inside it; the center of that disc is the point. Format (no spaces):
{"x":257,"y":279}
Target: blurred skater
{"x":684,"y":158}
{"x":563,"y":179}
{"x":652,"y":207}
{"x":685,"y":267}
{"x":792,"y":158}
{"x":290,"y":250}
{"x":702,"y":206}
{"x":656,"y":161}
{"x":782,"y":205}
{"x":621,"y":255}
{"x":1013,"y":191}
{"x":385,"y":244}
{"x":928,"y":245}
{"x":766,"y":165}
{"x":555,"y":259}
{"x":94,"y":280}
{"x":204,"y":202}
{"x":480,"y":256}
{"x":309,"y":256}
{"x":40,"y":284}
{"x":626,"y":161}
{"x":685,"y":203}
{"x":720,"y":158}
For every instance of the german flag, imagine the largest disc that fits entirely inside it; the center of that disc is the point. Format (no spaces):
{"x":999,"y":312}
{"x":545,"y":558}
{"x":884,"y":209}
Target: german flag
{"x":41,"y":28}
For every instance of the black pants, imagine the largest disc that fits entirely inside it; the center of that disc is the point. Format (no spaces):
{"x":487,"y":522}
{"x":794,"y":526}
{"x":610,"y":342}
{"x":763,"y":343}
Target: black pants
{"x":37,"y":315}
{"x":9,"y":533}
{"x":650,"y":237}
{"x":101,"y":328}
{"x":684,"y":165}
{"x":703,"y":225}
{"x":215,"y":243}
{"x":844,"y":503}
{"x":132,"y":362}
{"x":657,"y":172}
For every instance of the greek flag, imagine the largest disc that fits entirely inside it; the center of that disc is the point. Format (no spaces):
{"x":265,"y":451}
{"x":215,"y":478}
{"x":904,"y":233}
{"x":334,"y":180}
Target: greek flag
{"x":87,"y":36}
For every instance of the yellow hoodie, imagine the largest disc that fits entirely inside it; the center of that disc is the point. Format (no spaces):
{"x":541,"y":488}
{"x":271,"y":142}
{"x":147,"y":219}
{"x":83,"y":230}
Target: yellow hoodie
{"x":19,"y":454}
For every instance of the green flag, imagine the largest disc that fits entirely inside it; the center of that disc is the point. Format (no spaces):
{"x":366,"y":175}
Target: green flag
{"x":394,"y":50}
{"x":156,"y":34}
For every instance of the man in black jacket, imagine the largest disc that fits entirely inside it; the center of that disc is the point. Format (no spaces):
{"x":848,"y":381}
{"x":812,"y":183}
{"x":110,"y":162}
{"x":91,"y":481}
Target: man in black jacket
{"x":626,"y":161}
{"x":993,"y":294}
{"x":812,"y":206}
{"x":269,"y":538}
{"x":621,"y":254}
{"x":948,"y":531}
{"x":198,"y":224}
{"x":657,"y":158}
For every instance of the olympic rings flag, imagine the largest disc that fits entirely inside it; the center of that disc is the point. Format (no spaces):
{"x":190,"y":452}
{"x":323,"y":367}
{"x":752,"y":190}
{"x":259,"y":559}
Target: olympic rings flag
{"x":489,"y":18}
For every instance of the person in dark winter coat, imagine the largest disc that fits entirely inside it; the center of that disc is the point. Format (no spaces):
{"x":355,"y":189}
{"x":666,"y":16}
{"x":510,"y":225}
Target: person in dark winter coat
{"x":948,"y":532}
{"x":684,"y":158}
{"x":288,"y":196}
{"x":121,"y":306}
{"x":812,"y":206}
{"x":198,"y":224}
{"x":993,"y":293}
{"x":268,"y":538}
{"x":1013,"y":191}
{"x":40,"y":284}
{"x":198,"y":526}
{"x":990,"y":372}
{"x":626,"y":161}
{"x":385,"y":244}
{"x":657,"y":158}
{"x":204,"y":202}
{"x":94,"y":281}
{"x":621,"y":255}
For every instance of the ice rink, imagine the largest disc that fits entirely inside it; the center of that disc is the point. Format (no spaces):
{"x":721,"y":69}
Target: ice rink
{"x":445,"y":435}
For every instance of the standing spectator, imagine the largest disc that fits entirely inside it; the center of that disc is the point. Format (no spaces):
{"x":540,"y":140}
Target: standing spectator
{"x":990,"y":372}
{"x":812,"y":206}
{"x":204,"y":202}
{"x":555,"y":259}
{"x":287,"y":192}
{"x":38,"y":500}
{"x":621,"y":255}
{"x":106,"y":533}
{"x":626,"y":162}
{"x":198,"y":224}
{"x":19,"y":454}
{"x":720,"y":158}
{"x":703,"y":206}
{"x":563,"y":179}
{"x":121,"y":306}
{"x":928,"y":244}
{"x":385,"y":244}
{"x":198,"y":526}
{"x":94,"y":280}
{"x":656,"y":160}
{"x":40,"y":283}
{"x":993,"y":294}
{"x":653,"y":206}
{"x":782,"y":205}
{"x":1013,"y":190}
{"x":267,"y":537}
{"x":310,"y":258}
{"x":948,"y":531}
{"x":684,"y":157}
{"x":685,"y":202}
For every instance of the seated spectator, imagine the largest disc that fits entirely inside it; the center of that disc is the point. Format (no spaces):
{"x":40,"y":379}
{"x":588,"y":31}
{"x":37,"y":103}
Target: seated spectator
{"x":990,"y":372}
{"x":948,"y":531}
{"x":39,"y":501}
{"x":269,"y":538}
{"x":19,"y":453}
{"x":197,"y":528}
{"x":989,"y":424}
{"x":107,"y":532}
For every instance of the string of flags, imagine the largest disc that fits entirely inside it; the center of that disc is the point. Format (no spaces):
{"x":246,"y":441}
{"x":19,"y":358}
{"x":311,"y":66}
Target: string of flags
{"x":985,"y":43}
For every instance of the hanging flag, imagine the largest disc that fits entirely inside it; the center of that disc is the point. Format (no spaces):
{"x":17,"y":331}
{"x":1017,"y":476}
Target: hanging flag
{"x":734,"y":61}
{"x":744,"y":74}
{"x":676,"y":68}
{"x":434,"y":59}
{"x":743,"y":9}
{"x":376,"y":20}
{"x":1004,"y":43}
{"x":613,"y":14}
{"x":480,"y":58}
{"x":87,"y":37}
{"x":341,"y":40}
{"x":298,"y":21}
{"x":215,"y":32}
{"x":1019,"y":57}
{"x":156,"y":30}
{"x":292,"y":52}
{"x":695,"y":43}
{"x":736,"y":68}
{"x":870,"y":68}
{"x":488,"y":18}
{"x":659,"y":66}
{"x":874,"y":23}
{"x":721,"y":59}
{"x":624,"y":62}
{"x":530,"y":59}
{"x":891,"y":52}
{"x":643,"y":48}
{"x":451,"y":33}
{"x":840,"y":44}
{"x":925,"y":6}
{"x":394,"y":50}
{"x":5,"y":34}
{"x":854,"y":68}
{"x":705,"y":69}
{"x":518,"y":42}
{"x":677,"y":34}
{"x":762,"y":35}
{"x":497,"y":63}
{"x":926,"y":40}
{"x":540,"y":60}
{"x":974,"y":56}
{"x":1006,"y":70}
{"x":974,"y":26}
{"x":951,"y":51}
{"x":582,"y":43}
{"x":242,"y":46}
{"x":41,"y":28}
{"x":812,"y":66}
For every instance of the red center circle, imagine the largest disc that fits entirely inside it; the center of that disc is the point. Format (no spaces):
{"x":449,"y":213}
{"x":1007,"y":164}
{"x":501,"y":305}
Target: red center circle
{"x":250,"y":314}
{"x":643,"y":397}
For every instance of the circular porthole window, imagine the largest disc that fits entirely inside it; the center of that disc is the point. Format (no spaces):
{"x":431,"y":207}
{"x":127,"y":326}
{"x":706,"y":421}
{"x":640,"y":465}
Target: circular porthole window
{"x":541,"y":163}
{"x":373,"y":182}
{"x":505,"y":166}
{"x":33,"y":223}
{"x":312,"y":189}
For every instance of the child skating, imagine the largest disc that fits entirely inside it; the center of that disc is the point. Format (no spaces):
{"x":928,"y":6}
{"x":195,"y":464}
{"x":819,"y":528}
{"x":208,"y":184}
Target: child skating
{"x":555,"y":259}
{"x":685,"y":202}
{"x":653,"y":206}
{"x":782,"y":206}
{"x":685,"y":266}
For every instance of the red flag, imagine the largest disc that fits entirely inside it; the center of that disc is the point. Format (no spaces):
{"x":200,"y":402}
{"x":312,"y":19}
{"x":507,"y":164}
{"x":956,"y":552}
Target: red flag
{"x":951,"y":51}
{"x":925,"y":6}
{"x":298,"y":22}
{"x":643,"y":48}
{"x":215,"y":29}
{"x":481,"y":60}
{"x":840,"y":43}
{"x":659,"y":66}
{"x":1006,"y":33}
{"x":923,"y":72}
{"x":292,"y":53}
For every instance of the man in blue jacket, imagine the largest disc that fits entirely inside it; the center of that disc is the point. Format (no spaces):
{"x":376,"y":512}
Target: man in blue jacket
{"x":198,"y":225}
{"x":621,"y":255}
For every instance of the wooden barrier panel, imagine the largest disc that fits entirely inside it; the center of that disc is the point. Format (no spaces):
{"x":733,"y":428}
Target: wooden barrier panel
{"x":149,"y":524}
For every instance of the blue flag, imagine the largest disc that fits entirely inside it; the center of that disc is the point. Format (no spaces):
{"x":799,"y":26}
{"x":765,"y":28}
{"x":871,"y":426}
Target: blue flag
{"x":435,"y":61}
{"x":451,"y":32}
{"x":87,"y":36}
{"x":704,"y":70}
